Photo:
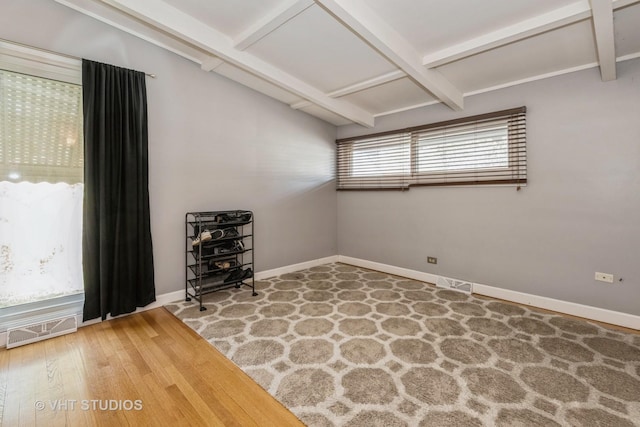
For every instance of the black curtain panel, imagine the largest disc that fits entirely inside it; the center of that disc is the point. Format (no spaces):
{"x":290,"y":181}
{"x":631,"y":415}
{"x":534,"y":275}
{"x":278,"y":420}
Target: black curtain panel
{"x":116,"y":238}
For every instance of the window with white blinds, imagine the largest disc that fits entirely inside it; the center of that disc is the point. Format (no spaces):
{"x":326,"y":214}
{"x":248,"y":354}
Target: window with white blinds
{"x":485,"y":149}
{"x":40,"y":129}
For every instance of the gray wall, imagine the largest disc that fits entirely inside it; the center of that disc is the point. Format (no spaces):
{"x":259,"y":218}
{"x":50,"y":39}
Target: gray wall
{"x":213,"y":144}
{"x":579,"y":214}
{"x":217,"y":145}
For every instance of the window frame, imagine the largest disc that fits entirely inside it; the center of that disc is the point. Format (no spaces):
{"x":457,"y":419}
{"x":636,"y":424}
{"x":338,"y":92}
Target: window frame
{"x":512,"y":174}
{"x":40,"y":63}
{"x":19,"y":58}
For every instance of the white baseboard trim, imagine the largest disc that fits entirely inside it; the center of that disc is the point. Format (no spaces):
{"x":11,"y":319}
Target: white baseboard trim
{"x":159,"y":302}
{"x":390,"y":269}
{"x":174,"y":296}
{"x":164,"y":299}
{"x":585,"y":311}
{"x":295,"y":267}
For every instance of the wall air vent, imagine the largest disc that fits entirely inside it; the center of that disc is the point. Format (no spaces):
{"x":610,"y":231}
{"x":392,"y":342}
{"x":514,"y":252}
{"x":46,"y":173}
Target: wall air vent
{"x":41,"y":331}
{"x":454,"y":284}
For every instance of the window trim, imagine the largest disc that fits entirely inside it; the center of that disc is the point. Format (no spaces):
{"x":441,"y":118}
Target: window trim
{"x":40,"y":63}
{"x":516,"y":145}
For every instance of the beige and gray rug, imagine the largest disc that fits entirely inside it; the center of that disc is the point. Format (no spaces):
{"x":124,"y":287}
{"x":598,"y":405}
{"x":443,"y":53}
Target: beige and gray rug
{"x":345,"y":346}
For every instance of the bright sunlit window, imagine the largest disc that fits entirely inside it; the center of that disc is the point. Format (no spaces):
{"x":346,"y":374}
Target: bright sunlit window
{"x":41,"y":190}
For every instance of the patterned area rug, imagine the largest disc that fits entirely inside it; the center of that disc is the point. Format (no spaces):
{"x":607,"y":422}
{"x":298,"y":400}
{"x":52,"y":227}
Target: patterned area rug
{"x":345,"y":346}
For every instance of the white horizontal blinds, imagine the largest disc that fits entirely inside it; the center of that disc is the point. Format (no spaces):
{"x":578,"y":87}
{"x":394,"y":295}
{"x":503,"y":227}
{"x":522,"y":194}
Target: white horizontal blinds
{"x":486,"y":149}
{"x":40,"y":129}
{"x":381,"y":162}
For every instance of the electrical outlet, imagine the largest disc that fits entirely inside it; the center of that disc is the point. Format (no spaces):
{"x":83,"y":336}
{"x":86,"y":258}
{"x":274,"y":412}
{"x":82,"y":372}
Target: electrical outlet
{"x":604,"y":277}
{"x":432,"y":260}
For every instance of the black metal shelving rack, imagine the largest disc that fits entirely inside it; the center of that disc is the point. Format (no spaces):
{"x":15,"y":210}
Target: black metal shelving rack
{"x":223,"y":261}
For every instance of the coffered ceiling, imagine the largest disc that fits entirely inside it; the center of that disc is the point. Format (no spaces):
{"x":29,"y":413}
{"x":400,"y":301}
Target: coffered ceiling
{"x":350,"y":61}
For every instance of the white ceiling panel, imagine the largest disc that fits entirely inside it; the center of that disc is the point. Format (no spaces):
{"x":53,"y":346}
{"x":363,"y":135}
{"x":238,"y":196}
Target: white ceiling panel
{"x":547,"y":53}
{"x":390,"y":96}
{"x":435,"y":24}
{"x":319,"y":50}
{"x":627,"y":22}
{"x":312,"y":54}
{"x":231,"y":17}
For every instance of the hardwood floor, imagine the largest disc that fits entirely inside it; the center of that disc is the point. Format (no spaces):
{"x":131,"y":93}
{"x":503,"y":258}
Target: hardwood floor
{"x":102,"y":374}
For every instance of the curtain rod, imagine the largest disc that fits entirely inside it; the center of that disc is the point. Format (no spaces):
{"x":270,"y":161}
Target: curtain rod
{"x":153,"y":76}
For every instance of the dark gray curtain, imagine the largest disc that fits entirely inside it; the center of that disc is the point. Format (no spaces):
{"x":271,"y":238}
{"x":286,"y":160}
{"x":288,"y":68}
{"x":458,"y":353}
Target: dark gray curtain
{"x":116,"y":238}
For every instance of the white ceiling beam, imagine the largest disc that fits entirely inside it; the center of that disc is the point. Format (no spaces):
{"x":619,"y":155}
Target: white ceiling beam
{"x":114,"y":18}
{"x":511,"y":84}
{"x":557,"y":18}
{"x":188,"y":29}
{"x":603,"y":29}
{"x":497,"y":87}
{"x":628,"y":57}
{"x":514,"y":83}
{"x":529,"y":27}
{"x":361,"y":20}
{"x":357,"y":87}
{"x":271,"y":22}
{"x":211,"y":63}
